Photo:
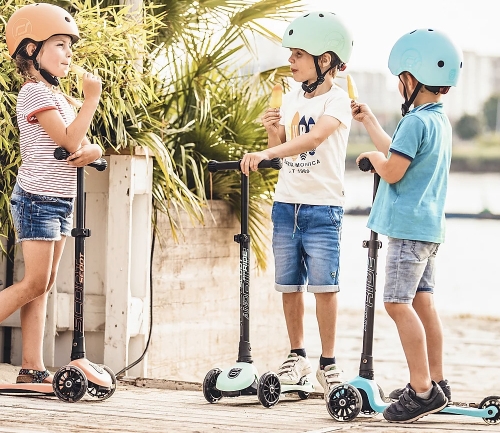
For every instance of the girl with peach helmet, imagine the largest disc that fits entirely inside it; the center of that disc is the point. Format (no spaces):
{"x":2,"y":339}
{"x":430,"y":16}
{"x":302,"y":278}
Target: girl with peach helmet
{"x":36,"y":23}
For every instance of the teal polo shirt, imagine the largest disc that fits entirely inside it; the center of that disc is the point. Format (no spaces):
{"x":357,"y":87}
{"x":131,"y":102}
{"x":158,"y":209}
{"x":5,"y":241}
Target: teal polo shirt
{"x":413,"y":207}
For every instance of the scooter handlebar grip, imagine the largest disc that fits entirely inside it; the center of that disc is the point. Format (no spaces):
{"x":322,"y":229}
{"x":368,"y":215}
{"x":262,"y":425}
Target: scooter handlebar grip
{"x":365,"y":164}
{"x":214,"y":166}
{"x":99,"y":164}
{"x":271,"y":163}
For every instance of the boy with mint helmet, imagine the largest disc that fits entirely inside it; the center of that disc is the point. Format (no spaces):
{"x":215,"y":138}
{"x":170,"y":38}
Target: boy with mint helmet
{"x":431,"y":57}
{"x":309,"y":132}
{"x":317,"y":33}
{"x":409,"y":209}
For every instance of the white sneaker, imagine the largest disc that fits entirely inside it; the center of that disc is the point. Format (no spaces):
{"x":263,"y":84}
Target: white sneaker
{"x":293,"y":369}
{"x":329,"y":377}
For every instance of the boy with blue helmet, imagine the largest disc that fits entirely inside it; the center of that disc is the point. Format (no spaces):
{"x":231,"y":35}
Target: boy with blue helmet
{"x":310,"y":133}
{"x":409,"y":209}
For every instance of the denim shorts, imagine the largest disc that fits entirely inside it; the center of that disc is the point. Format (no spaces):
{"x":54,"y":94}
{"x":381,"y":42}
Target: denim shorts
{"x":40,"y":217}
{"x":306,"y":247}
{"x":410,"y":268}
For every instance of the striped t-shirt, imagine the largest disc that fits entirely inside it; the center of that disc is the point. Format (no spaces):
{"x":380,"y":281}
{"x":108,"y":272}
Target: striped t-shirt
{"x":40,"y":173}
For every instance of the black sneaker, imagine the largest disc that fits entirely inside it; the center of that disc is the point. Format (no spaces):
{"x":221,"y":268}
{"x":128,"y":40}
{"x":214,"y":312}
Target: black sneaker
{"x":409,"y":407}
{"x":445,"y":386}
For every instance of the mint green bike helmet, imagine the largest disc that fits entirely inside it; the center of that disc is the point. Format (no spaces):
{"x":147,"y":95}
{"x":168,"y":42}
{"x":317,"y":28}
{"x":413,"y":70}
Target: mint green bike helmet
{"x":317,"y":33}
{"x":431,"y":57}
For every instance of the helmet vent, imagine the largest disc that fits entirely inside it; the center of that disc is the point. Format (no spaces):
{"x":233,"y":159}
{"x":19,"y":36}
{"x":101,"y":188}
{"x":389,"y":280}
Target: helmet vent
{"x":67,"y":19}
{"x":321,"y":15}
{"x":413,"y":32}
{"x":290,"y":33}
{"x":306,"y":15}
{"x":440,"y":63}
{"x":430,"y":30}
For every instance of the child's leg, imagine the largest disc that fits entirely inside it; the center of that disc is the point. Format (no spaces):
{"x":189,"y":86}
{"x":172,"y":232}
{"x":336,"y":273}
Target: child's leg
{"x":38,"y":263}
{"x":326,"y":314}
{"x":293,"y":307}
{"x":412,"y":336}
{"x":424,"y":306}
{"x":33,"y":317}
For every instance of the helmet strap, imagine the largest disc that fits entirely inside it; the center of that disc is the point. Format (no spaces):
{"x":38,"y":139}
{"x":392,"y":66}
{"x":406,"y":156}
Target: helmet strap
{"x":53,"y":81}
{"x":309,"y":88}
{"x":405,"y":107}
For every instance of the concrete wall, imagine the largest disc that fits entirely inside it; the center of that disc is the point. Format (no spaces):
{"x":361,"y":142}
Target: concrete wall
{"x":196,"y":302}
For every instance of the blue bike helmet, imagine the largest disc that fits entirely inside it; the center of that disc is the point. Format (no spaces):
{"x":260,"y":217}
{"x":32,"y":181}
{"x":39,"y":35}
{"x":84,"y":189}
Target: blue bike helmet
{"x":431,"y":57}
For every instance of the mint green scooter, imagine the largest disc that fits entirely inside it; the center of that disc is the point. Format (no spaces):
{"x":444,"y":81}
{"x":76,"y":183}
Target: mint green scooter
{"x":242,"y":377}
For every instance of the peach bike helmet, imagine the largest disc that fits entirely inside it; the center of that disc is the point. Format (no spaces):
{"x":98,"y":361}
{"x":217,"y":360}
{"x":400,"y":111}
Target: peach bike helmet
{"x":317,"y":33}
{"x":36,"y":23}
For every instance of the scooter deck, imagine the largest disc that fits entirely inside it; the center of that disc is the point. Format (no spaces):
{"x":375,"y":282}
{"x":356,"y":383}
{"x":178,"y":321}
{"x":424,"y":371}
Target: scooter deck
{"x":27,"y":389}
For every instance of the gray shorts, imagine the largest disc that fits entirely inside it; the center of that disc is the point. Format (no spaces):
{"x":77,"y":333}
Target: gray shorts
{"x":409,"y":269}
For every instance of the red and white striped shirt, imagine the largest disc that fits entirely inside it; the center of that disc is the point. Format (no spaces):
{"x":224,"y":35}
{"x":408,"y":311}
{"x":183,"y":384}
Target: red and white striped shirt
{"x":40,"y":172}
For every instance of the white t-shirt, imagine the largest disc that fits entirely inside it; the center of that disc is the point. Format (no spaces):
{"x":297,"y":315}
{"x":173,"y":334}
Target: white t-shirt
{"x":40,"y":173}
{"x":315,"y":177}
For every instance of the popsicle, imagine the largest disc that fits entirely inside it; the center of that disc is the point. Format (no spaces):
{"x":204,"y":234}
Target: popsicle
{"x":352,"y":90}
{"x":276,"y":95}
{"x":78,"y":70}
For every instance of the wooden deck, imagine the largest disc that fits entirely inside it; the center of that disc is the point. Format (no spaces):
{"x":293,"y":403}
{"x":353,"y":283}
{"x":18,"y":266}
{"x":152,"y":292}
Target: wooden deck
{"x":145,"y":409}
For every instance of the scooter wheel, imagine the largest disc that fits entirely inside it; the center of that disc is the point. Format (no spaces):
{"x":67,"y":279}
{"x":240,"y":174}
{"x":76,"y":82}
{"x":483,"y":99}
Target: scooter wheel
{"x":210,"y":392}
{"x":491,"y":401}
{"x":344,"y":402}
{"x":101,"y":392}
{"x":303,"y":395}
{"x":268,"y":389}
{"x":69,"y":384}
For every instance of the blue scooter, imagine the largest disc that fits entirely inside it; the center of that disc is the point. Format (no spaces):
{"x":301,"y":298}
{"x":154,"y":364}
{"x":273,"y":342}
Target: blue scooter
{"x":362,"y":394}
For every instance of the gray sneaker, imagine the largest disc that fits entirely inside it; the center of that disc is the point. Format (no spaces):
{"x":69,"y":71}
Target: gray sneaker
{"x":445,"y":386}
{"x":410,"y":408}
{"x":293,"y":369}
{"x":329,"y":377}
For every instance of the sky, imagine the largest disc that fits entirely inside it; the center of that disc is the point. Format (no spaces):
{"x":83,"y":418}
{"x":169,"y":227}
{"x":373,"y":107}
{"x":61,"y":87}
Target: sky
{"x":378,"y":24}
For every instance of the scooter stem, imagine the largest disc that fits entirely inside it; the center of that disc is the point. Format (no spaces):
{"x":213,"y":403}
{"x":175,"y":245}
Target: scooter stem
{"x":366,"y":369}
{"x":244,"y":349}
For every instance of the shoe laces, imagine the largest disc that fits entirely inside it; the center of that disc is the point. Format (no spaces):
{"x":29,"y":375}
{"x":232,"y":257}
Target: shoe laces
{"x":331,"y":375}
{"x":288,"y":365}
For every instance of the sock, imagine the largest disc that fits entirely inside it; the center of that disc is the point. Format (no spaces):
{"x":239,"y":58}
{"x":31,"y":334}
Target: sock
{"x":300,"y":352}
{"x":424,"y":395}
{"x":324,"y":362}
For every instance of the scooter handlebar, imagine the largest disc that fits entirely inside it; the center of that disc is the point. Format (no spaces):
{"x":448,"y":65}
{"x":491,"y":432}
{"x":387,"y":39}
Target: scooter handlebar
{"x":365,"y":164}
{"x":214,"y":166}
{"x":99,"y":164}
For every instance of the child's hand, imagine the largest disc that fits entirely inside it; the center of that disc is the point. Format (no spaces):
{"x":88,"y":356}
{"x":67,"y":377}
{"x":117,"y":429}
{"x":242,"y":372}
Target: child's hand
{"x":91,"y":86}
{"x":366,"y":155}
{"x":271,"y":119}
{"x":85,"y":155}
{"x":360,"y":112}
{"x":250,"y":161}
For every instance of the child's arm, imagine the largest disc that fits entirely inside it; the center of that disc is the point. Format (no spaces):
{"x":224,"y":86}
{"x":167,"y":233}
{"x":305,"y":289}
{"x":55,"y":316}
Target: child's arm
{"x":71,"y":137}
{"x":391,"y":170}
{"x":325,"y":127}
{"x":363,"y":114}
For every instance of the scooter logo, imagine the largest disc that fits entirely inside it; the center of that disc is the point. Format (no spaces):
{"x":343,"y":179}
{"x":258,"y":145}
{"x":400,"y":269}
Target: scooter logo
{"x":234,"y":373}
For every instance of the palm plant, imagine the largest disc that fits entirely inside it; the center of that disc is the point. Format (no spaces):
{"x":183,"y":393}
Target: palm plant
{"x":188,"y":100}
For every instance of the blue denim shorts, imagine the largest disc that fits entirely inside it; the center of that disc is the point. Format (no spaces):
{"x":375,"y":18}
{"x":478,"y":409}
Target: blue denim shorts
{"x":410,"y":268}
{"x":306,"y":247}
{"x":40,"y":217}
